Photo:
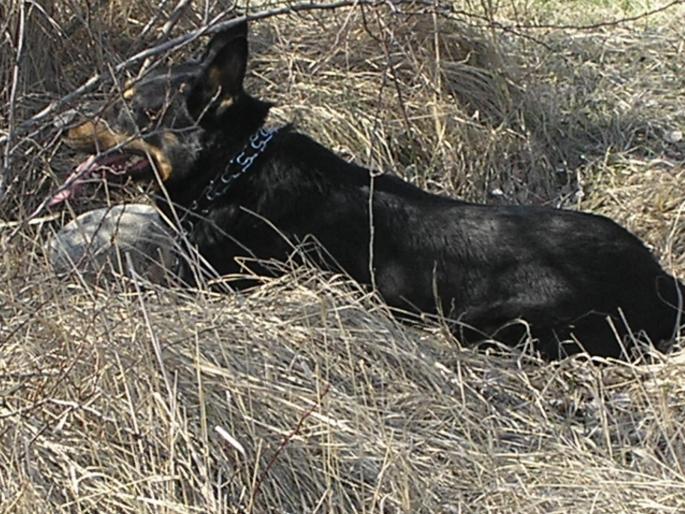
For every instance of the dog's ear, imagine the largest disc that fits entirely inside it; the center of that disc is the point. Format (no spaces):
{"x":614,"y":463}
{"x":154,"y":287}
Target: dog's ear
{"x":221,"y":79}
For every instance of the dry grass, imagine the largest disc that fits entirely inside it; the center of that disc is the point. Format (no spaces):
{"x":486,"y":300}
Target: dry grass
{"x":304,"y":395}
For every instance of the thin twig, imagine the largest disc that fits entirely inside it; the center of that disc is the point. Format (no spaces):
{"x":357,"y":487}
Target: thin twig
{"x":284,"y":443}
{"x":591,"y":26}
{"x":12,"y":102}
{"x":152,"y":21}
{"x":166,"y":29}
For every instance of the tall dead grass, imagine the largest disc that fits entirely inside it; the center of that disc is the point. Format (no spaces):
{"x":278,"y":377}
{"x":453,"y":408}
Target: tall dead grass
{"x":304,"y":395}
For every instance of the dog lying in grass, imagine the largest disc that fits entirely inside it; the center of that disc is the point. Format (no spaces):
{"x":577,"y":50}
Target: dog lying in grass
{"x":236,"y":189}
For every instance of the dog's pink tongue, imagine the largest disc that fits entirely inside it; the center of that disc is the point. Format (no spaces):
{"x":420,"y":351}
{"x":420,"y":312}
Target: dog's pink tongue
{"x":74,"y":182}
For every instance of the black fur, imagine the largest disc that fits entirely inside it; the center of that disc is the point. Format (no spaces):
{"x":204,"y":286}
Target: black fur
{"x":563,"y":272}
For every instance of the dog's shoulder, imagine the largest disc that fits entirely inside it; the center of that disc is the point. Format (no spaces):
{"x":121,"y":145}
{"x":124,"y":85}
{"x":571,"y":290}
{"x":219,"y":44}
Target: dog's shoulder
{"x":299,"y":157}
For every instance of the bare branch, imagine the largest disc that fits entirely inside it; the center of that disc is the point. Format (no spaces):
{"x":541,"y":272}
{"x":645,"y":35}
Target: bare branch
{"x":13,"y":99}
{"x":215,"y":26}
{"x":174,"y":44}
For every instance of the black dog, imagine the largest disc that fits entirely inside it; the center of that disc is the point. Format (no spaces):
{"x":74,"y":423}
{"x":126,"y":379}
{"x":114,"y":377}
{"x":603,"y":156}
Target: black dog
{"x":578,"y":281}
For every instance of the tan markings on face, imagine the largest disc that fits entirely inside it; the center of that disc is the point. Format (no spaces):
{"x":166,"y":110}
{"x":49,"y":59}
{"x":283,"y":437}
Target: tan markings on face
{"x":225,"y":104}
{"x":215,"y":76}
{"x":170,"y":139}
{"x":97,"y":136}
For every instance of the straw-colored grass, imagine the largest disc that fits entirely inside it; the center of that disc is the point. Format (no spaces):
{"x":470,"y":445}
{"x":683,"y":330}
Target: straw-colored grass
{"x":304,"y":394}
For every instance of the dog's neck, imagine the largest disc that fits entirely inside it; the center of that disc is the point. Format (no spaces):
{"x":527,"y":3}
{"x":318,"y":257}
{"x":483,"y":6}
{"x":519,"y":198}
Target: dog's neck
{"x":246,"y":117}
{"x":240,"y":164}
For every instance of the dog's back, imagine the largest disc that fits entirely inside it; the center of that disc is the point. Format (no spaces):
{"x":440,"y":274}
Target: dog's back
{"x":563,"y":272}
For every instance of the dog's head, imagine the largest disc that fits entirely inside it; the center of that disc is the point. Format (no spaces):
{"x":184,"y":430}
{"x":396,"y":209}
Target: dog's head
{"x":163,"y":121}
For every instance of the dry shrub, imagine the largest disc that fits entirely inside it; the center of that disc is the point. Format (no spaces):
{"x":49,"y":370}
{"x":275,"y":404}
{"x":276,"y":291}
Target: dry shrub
{"x":305,"y":395}
{"x":122,"y":402}
{"x":648,"y":201}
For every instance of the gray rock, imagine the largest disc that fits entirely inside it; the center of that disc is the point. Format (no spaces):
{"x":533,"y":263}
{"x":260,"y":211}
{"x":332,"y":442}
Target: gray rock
{"x":114,"y":241}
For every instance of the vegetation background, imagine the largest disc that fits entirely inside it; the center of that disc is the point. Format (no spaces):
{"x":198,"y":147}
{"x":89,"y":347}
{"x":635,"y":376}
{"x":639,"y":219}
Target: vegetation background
{"x":305,"y":395}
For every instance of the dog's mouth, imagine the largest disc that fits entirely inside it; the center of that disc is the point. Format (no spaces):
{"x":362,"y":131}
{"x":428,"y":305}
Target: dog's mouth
{"x":122,"y":155}
{"x":104,"y":166}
